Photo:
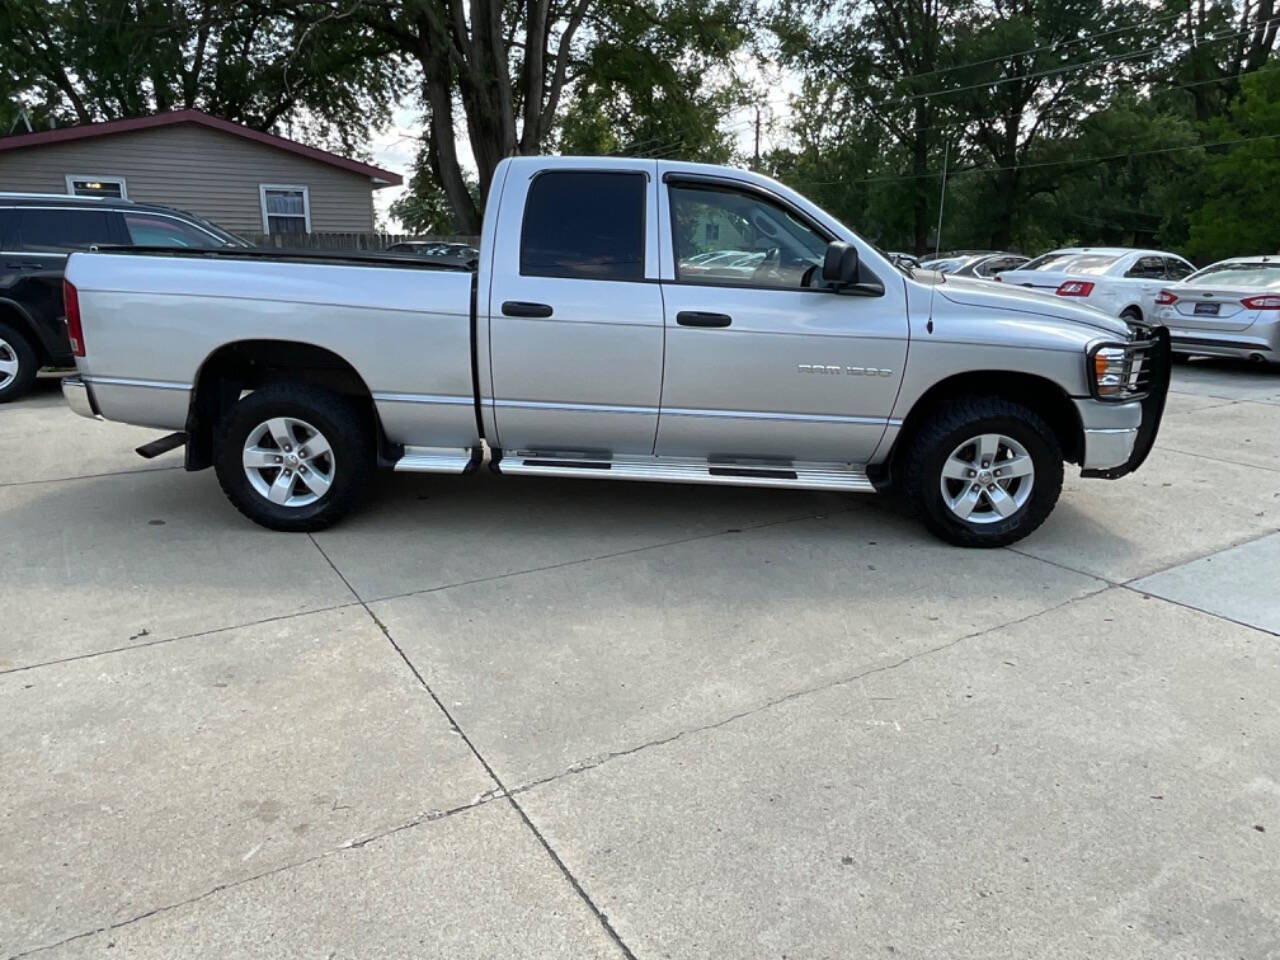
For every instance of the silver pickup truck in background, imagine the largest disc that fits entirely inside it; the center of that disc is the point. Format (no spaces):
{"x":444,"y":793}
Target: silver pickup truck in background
{"x":595,"y":338}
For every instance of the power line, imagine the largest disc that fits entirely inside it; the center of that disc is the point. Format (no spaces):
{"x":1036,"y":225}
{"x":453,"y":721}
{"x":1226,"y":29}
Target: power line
{"x":1067,"y":68}
{"x":1043,"y":163}
{"x":1048,"y":46}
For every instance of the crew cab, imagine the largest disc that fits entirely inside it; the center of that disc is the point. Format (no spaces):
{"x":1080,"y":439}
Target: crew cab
{"x":580,"y":344}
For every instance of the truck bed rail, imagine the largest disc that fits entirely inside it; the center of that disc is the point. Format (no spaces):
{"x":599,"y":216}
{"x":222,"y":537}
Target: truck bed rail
{"x":364,"y":258}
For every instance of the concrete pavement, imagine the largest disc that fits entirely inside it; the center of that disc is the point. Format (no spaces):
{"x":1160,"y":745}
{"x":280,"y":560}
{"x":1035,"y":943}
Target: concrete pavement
{"x":532,"y":718}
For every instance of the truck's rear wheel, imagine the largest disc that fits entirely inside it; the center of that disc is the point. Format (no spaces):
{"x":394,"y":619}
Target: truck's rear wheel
{"x":293,"y":457}
{"x":984,"y":472}
{"x":18,"y":364}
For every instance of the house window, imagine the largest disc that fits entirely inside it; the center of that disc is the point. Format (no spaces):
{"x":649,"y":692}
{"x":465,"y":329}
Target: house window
{"x":713,"y":231}
{"x":286,"y":209}
{"x":79,"y":185}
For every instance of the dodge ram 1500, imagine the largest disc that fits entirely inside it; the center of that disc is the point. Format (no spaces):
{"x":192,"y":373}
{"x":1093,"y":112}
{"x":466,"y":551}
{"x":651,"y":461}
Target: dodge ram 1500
{"x":598,"y":335}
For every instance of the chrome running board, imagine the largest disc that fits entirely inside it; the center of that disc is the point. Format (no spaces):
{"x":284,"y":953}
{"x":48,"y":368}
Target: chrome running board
{"x":437,"y":460}
{"x":798,"y":475}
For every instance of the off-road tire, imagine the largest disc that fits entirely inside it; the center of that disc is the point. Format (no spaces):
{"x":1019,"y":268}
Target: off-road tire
{"x":349,"y":435}
{"x":28,"y":362}
{"x":949,"y":427}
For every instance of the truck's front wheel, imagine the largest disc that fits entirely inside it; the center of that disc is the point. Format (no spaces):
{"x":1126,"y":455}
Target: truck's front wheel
{"x":984,"y":471}
{"x":293,"y":457}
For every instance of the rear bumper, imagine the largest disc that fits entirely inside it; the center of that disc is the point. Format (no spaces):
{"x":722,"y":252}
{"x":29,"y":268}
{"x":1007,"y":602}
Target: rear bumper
{"x":1111,"y":440}
{"x":79,"y":397}
{"x":1225,"y":345}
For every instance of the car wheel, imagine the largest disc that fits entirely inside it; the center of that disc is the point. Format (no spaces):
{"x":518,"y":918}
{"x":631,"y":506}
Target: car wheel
{"x":984,"y":472}
{"x":18,"y":363}
{"x":293,"y":457}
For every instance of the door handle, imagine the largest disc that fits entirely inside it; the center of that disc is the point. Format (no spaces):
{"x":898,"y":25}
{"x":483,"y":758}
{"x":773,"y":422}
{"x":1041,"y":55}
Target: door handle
{"x":696,"y":318}
{"x":522,"y":308}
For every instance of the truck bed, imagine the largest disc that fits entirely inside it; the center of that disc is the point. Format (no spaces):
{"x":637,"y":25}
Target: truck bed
{"x":154,"y":318}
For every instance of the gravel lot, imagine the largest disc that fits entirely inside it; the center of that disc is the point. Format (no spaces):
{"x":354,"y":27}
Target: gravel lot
{"x":526,"y":718}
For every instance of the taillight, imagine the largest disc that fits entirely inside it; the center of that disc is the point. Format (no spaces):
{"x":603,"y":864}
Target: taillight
{"x":997,"y":279}
{"x":1166,"y":299}
{"x":1269,"y":302}
{"x":71,"y":307}
{"x":1075,"y":288}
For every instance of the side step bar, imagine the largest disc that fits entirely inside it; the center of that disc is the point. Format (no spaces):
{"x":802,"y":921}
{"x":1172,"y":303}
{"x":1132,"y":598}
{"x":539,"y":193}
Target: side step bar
{"x":438,"y":460}
{"x":800,"y":475}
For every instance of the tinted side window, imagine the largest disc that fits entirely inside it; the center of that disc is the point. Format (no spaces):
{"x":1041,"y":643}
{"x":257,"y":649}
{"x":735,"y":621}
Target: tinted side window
{"x":1177,"y":269}
{"x":53,"y":229}
{"x":584,"y":225}
{"x":8,"y":229}
{"x":153,"y":230}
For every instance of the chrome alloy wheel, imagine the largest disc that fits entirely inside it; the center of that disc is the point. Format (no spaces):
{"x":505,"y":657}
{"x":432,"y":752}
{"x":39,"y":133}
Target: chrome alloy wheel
{"x":8,"y":363}
{"x":289,"y":462}
{"x":987,"y":478}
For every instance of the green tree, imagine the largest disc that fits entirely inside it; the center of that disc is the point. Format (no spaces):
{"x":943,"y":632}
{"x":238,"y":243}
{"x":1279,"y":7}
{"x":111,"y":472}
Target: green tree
{"x":1240,"y":212}
{"x":424,"y":207}
{"x":306,"y":66}
{"x":654,"y":81}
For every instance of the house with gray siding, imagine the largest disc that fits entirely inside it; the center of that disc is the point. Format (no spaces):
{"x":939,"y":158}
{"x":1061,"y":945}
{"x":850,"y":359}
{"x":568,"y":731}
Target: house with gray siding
{"x":244,"y":180}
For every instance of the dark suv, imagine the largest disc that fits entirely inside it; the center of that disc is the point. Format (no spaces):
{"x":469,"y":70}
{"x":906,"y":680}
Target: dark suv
{"x":37,"y":233}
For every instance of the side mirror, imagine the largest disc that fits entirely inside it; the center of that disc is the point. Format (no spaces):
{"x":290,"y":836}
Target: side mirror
{"x":840,"y":265}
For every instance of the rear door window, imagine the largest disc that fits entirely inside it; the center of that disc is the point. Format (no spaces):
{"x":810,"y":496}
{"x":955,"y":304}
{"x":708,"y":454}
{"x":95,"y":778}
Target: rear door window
{"x":584,"y":225}
{"x":54,"y":228}
{"x":1147,"y":268}
{"x":155,"y":230}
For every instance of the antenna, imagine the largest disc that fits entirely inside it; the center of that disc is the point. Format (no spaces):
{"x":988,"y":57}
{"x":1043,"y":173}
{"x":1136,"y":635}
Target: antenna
{"x":937,"y":248}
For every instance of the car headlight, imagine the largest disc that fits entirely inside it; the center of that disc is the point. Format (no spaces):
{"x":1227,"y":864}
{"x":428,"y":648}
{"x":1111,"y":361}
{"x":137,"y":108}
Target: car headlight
{"x":1119,"y":371}
{"x":1109,"y":368}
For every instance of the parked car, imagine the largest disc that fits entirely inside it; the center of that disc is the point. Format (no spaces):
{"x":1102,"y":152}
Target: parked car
{"x":1228,"y":309}
{"x":1117,"y":280}
{"x":37,"y":232}
{"x":435,"y":248}
{"x":897,"y":258}
{"x":987,"y":266}
{"x":944,"y":264}
{"x":741,"y":264}
{"x":581,"y":346}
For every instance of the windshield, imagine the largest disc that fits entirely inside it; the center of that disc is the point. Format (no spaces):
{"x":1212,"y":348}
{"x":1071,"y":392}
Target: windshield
{"x":1264,"y":276}
{"x":1069,"y":262}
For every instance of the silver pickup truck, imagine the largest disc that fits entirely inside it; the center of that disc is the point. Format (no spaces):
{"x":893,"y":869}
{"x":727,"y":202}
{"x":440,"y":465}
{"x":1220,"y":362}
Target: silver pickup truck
{"x":601,"y":334}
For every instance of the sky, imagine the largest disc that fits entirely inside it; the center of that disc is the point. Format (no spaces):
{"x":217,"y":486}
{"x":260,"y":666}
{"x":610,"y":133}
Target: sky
{"x":396,"y":147}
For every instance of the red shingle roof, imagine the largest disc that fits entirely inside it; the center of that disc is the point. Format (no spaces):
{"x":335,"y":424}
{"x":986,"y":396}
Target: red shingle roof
{"x":84,"y":131}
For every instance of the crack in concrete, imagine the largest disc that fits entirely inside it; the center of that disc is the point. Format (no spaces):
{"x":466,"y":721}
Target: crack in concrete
{"x":361,"y":602}
{"x":592,"y":762}
{"x":764,"y":524}
{"x":186,"y":636}
{"x":501,"y":789}
{"x":1242,"y":541}
{"x":431,"y":816}
{"x":1205,"y":456}
{"x":89,"y":476}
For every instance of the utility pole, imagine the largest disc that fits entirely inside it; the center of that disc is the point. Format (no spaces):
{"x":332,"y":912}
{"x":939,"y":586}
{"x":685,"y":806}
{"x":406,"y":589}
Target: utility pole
{"x":757,"y":160}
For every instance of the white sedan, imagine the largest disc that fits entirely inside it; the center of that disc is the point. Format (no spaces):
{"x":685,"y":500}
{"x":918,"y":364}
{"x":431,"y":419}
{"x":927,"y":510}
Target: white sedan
{"x":1118,"y":280}
{"x":1228,"y":309}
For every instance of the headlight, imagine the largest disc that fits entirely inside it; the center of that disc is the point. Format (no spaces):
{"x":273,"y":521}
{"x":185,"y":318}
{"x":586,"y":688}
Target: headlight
{"x":1109,"y":369}
{"x":1119,"y":371}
